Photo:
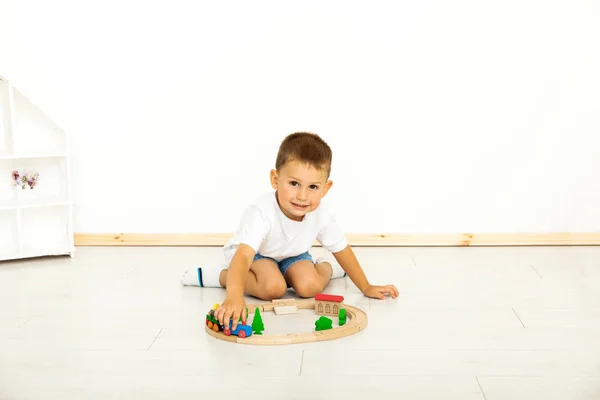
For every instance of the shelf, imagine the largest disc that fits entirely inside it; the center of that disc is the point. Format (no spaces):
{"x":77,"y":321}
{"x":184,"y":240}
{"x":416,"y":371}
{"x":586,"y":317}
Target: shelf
{"x":30,"y":156}
{"x":51,"y":186}
{"x":33,"y":131}
{"x":55,"y":252}
{"x":6,"y":143}
{"x":44,"y":230}
{"x":9,"y":236}
{"x":23,"y":205}
{"x":33,"y":222}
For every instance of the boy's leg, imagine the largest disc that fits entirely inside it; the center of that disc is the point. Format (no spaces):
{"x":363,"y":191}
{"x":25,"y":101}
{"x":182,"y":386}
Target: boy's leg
{"x":205,"y":276}
{"x":264,"y":280}
{"x":308,"y":279}
{"x":338,"y":271}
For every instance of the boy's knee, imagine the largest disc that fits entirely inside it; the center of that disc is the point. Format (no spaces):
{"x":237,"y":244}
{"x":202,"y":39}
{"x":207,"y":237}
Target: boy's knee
{"x":273,"y":289}
{"x":308,"y":288}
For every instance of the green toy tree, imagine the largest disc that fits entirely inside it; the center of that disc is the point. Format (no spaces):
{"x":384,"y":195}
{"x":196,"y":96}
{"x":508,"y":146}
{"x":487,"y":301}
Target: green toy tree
{"x":342,"y":317}
{"x":323,"y":323}
{"x":257,"y":323}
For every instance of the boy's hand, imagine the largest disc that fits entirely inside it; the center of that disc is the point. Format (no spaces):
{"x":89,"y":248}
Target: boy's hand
{"x":232,"y":308}
{"x":378,"y":292}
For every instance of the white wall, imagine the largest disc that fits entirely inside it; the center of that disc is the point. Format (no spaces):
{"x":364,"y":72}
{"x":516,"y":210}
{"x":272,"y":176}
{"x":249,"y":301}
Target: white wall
{"x":444,"y":116}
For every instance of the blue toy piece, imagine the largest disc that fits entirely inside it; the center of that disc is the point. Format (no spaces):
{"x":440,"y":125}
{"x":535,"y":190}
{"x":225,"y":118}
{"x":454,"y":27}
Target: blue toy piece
{"x":241,"y":330}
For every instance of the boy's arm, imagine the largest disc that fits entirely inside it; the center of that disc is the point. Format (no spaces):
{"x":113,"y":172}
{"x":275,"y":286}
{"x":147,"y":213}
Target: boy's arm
{"x":238,"y":268}
{"x":347,"y":260}
{"x":234,"y":305}
{"x":350,"y":264}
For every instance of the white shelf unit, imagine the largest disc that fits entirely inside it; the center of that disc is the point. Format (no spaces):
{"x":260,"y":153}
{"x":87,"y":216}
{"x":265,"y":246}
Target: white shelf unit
{"x":33,"y":222}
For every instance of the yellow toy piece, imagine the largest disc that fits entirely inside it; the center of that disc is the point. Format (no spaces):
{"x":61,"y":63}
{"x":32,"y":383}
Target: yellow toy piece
{"x":215,"y":306}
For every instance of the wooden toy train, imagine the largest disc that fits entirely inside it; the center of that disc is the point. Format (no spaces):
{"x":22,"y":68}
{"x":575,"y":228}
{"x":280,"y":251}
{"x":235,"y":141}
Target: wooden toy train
{"x":213,"y":323}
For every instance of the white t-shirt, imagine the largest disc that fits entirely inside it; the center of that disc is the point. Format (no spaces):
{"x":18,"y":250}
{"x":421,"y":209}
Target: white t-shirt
{"x":266,"y":229}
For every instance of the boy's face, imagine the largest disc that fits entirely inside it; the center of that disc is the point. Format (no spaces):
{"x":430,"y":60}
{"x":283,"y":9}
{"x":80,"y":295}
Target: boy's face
{"x":300,"y":188}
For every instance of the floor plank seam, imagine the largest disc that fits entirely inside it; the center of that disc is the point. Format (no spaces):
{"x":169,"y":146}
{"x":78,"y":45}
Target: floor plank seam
{"x":157,"y":335}
{"x":517,"y":315}
{"x":130,"y":273}
{"x":535,"y":270}
{"x":21,"y":325}
{"x":301,"y":363}
{"x":480,"y":388}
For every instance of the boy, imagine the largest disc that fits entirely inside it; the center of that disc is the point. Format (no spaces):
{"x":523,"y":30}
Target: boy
{"x":269,"y":251}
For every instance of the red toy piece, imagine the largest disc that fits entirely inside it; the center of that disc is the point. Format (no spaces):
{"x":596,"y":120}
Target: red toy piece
{"x":329,"y":297}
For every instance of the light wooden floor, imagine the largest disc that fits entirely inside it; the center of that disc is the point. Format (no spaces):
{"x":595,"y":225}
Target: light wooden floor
{"x":471,"y":323}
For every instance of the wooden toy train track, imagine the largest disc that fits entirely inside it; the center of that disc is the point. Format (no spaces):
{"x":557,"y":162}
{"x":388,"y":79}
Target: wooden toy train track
{"x":357,"y":321}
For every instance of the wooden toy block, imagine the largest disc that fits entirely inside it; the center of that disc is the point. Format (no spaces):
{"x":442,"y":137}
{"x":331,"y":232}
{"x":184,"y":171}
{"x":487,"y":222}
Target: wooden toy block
{"x":283,"y":302}
{"x":280,"y":310}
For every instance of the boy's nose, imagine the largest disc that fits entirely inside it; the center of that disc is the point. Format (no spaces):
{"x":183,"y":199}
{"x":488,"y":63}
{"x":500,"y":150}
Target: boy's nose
{"x":302,"y":194}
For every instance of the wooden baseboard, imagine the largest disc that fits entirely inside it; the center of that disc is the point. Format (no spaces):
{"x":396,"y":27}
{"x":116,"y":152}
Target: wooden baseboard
{"x":362,"y":240}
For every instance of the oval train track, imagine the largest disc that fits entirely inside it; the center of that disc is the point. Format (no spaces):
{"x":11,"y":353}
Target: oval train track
{"x":357,"y":321}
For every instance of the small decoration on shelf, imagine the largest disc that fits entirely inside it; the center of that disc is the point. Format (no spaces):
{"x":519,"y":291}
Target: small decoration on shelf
{"x":25,"y":179}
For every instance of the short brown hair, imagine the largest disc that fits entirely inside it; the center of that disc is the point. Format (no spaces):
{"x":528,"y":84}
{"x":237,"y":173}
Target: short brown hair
{"x":305,"y":147}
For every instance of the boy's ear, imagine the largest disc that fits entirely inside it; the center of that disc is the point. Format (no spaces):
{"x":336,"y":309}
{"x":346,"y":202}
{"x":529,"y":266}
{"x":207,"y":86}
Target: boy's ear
{"x":327,"y":187}
{"x":274,"y":179}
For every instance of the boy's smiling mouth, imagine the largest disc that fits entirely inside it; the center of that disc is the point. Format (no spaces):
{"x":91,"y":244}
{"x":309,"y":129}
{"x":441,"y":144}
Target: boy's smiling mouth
{"x":299,"y":205}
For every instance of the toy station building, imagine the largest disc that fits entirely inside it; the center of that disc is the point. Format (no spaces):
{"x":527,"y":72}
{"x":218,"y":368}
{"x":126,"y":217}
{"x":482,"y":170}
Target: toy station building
{"x":328,"y":304}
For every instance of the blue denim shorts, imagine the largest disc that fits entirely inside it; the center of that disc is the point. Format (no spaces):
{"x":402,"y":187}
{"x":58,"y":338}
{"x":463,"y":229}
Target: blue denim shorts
{"x":286,"y":263}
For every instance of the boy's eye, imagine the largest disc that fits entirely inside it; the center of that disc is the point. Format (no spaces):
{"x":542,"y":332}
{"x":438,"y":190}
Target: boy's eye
{"x":295,"y":183}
